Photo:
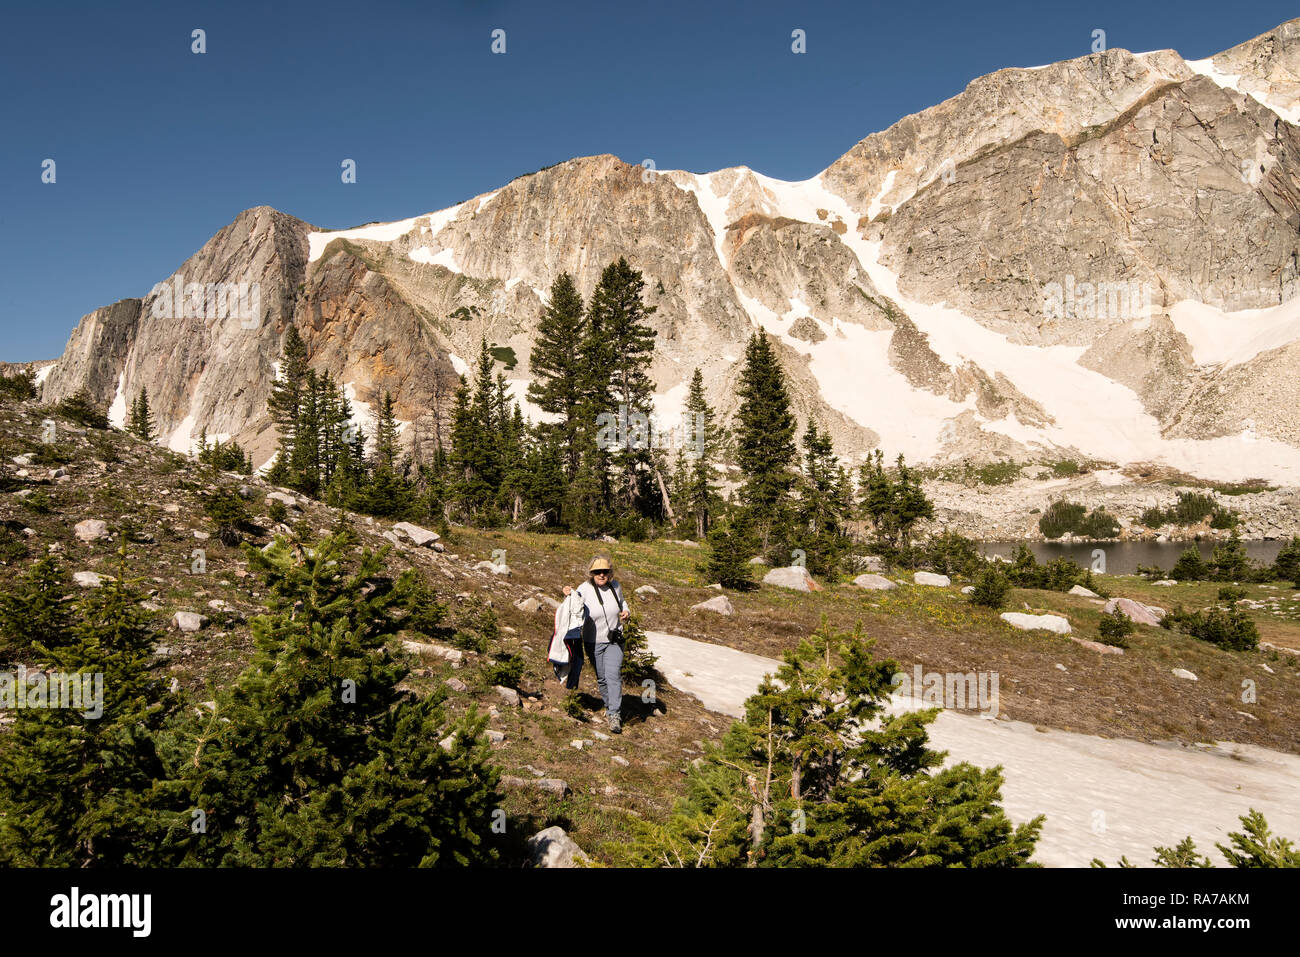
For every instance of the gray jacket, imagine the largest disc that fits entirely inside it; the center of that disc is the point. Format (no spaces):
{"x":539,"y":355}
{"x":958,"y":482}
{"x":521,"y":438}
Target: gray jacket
{"x":602,"y":610}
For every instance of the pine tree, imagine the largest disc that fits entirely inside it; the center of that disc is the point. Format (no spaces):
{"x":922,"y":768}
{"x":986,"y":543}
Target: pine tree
{"x":806,"y":779}
{"x":386,"y":434}
{"x":76,"y":788}
{"x":704,"y":439}
{"x":821,"y":511}
{"x":765,"y":449}
{"x":730,"y":546}
{"x":285,"y":402}
{"x":321,"y":759}
{"x":555,"y":362}
{"x":141,"y":424}
{"x":32,"y":610}
{"x":616,"y":355}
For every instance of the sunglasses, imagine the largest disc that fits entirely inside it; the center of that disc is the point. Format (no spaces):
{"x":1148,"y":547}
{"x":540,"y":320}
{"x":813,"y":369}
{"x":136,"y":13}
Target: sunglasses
{"x":600,"y":572}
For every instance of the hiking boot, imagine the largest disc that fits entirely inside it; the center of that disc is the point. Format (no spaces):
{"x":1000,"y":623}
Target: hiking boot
{"x":615,"y":725}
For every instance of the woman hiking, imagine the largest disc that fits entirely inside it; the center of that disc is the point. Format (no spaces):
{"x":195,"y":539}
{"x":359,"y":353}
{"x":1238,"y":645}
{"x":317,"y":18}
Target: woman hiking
{"x":602,"y":635}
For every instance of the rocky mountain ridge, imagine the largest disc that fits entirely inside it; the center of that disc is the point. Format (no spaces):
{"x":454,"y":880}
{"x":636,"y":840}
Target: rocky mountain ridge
{"x":1094,"y":258}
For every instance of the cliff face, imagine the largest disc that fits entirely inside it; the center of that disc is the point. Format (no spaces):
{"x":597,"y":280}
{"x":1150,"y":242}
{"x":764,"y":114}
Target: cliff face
{"x":1047,"y":263}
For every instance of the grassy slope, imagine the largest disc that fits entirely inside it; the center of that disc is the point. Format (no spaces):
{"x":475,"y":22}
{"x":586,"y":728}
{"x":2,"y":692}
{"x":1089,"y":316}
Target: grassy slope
{"x":111,"y":477}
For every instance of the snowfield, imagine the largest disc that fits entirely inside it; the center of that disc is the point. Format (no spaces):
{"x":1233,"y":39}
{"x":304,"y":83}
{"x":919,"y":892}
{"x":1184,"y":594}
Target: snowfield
{"x":1103,"y":797}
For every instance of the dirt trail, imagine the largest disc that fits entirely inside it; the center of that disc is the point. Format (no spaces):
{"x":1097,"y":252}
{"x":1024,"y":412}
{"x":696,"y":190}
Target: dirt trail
{"x":1103,"y":797}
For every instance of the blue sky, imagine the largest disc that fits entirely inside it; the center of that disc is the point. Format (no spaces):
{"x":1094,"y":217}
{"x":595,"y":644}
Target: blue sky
{"x":157,"y":148}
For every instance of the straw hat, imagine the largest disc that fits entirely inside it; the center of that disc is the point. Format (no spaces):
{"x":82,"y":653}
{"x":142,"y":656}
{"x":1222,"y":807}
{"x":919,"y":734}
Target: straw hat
{"x":600,"y":563}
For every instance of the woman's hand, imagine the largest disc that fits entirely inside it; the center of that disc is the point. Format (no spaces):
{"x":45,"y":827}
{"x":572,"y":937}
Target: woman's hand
{"x":623,"y":615}
{"x":567,"y":589}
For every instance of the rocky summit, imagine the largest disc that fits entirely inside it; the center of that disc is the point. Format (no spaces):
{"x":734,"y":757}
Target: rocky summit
{"x":1096,"y":259}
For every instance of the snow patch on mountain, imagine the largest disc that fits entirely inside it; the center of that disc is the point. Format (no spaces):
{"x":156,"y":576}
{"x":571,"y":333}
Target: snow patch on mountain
{"x":1230,"y":338}
{"x":1232,"y":81}
{"x":378,"y":232}
{"x":117,"y":411}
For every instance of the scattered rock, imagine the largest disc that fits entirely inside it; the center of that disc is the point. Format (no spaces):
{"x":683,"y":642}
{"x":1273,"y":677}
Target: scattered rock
{"x":646,"y":590}
{"x":1097,"y":646}
{"x":1185,"y":674}
{"x":931,"y":579}
{"x":874,"y":582}
{"x":576,"y":743}
{"x":495,"y":737}
{"x":721,"y":604}
{"x":1053,"y":623}
{"x":550,"y":785}
{"x":530,"y":604}
{"x":621,"y":761}
{"x":1060,"y":667}
{"x":91,"y":530}
{"x":870,"y":563}
{"x":448,"y":742}
{"x":1166,"y":582}
{"x":792,"y":576}
{"x":967,"y":589}
{"x":758,"y":560}
{"x":509,"y":695}
{"x":1085,"y":592}
{"x":284,"y":498}
{"x":455,"y":684}
{"x":1135,"y":611}
{"x":494,"y":569}
{"x":90,"y":579}
{"x":189,"y":621}
{"x":610,"y":539}
{"x":552,"y":847}
{"x":420,"y":536}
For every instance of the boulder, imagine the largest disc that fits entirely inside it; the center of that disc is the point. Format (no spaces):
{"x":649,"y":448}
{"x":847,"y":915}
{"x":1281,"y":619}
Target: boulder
{"x":1053,"y":623}
{"x":495,"y":737}
{"x":758,"y":560}
{"x":91,"y":530}
{"x":1166,"y":582}
{"x":455,"y":684}
{"x":792,"y":576}
{"x":1185,"y":674}
{"x":968,"y":589}
{"x":509,"y":695}
{"x":1135,"y":611}
{"x":554,"y":848}
{"x":421,"y":536}
{"x":1096,"y":646}
{"x":284,"y":498}
{"x":646,"y":590}
{"x":874,"y":582}
{"x":721,"y":604}
{"x":931,"y":579}
{"x":494,"y":569}
{"x":1083,"y":592}
{"x":90,"y":579}
{"x":529,"y":604}
{"x":550,"y":785}
{"x":189,"y":621}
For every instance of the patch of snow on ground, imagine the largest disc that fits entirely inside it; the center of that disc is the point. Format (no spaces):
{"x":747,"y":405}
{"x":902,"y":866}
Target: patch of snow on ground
{"x":1109,"y":477}
{"x":1150,"y":794}
{"x":517,"y":390}
{"x":44,"y":373}
{"x":1229,"y":338}
{"x":117,"y":411}
{"x":181,"y":440}
{"x":459,"y":364}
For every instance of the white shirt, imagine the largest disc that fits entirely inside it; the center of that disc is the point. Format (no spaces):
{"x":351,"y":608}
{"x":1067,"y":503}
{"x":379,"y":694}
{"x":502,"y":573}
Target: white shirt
{"x":601,"y":618}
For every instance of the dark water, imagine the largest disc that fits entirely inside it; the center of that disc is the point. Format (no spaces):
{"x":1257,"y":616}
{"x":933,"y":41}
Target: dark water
{"x":1123,"y":558}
